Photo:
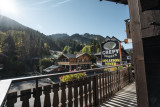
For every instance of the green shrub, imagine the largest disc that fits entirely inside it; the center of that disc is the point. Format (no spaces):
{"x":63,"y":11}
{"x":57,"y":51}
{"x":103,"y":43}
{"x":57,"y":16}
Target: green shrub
{"x":115,"y":68}
{"x":120,"y":67}
{"x":129,"y":65}
{"x":45,"y":62}
{"x":72,"y":77}
{"x":106,"y":70}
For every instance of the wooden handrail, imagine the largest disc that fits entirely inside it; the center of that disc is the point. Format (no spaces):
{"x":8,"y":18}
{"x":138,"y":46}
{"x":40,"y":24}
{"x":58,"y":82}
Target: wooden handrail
{"x":6,"y":83}
{"x":4,"y":88}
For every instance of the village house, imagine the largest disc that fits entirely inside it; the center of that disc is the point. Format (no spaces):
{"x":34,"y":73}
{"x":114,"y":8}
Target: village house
{"x":75,"y":61}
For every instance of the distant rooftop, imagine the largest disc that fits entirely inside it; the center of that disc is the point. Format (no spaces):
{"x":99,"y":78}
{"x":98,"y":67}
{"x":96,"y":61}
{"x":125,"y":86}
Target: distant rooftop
{"x":51,"y":68}
{"x":73,"y":55}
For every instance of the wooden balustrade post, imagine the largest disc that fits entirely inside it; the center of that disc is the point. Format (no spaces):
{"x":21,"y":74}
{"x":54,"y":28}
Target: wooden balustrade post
{"x":104,"y":87}
{"x":56,"y":96}
{"x":106,"y":79}
{"x":118,"y":78}
{"x":95,"y":91}
{"x":11,"y":99}
{"x":63,"y":94}
{"x":75,"y":93}
{"x":70,"y":94}
{"x":37,"y":94}
{"x":100,"y":86}
{"x":89,"y":91}
{"x":81,"y":92}
{"x":25,"y":96}
{"x":36,"y":97}
{"x":129,"y":74}
{"x":47,"y":91}
{"x":85,"y":92}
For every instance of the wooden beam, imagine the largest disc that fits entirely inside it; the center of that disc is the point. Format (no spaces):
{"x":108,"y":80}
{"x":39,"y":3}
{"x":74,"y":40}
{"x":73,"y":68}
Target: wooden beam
{"x":119,"y":1}
{"x":135,"y":25}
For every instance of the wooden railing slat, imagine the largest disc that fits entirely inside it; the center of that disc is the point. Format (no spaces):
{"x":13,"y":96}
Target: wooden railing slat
{"x":63,"y":94}
{"x":56,"y":97}
{"x":89,"y":91}
{"x":104,"y":87}
{"x":106,"y":79}
{"x":109,"y":81}
{"x":81,"y":92}
{"x":25,"y":96}
{"x":11,"y":99}
{"x":85,"y":92}
{"x":38,"y":103}
{"x":47,"y":100}
{"x":70,"y":94}
{"x":75,"y":93}
{"x":100,"y":84}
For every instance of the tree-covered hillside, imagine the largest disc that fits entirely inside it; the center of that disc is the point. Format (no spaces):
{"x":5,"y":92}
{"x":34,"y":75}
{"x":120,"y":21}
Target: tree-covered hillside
{"x":25,"y":46}
{"x":79,"y":38}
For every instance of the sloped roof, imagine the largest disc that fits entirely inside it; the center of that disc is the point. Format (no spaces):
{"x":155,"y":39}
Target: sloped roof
{"x":112,"y":38}
{"x":78,"y":55}
{"x":99,"y":53}
{"x":70,"y":55}
{"x":118,"y":1}
{"x":51,"y":68}
{"x":73,"y":55}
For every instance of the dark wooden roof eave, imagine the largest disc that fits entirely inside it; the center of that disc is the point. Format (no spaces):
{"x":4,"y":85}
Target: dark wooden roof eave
{"x":125,"y":2}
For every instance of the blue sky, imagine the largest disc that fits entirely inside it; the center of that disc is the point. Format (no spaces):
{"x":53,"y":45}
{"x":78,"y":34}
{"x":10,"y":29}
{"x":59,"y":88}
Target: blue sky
{"x":72,"y":16}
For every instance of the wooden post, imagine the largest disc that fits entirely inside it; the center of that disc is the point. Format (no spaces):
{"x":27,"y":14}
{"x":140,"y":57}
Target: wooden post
{"x":135,"y":25}
{"x":129,"y":74}
{"x":101,"y":53}
{"x":36,"y":97}
{"x":120,"y":52}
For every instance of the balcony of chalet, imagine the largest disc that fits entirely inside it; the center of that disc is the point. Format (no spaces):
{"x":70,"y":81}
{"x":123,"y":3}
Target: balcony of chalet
{"x":75,"y":63}
{"x":105,"y":89}
{"x":75,"y":59}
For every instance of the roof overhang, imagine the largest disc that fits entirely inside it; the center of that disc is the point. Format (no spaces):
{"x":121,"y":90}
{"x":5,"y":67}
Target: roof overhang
{"x":125,"y":2}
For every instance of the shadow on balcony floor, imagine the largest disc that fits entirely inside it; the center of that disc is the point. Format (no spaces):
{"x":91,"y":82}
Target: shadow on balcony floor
{"x":124,"y":98}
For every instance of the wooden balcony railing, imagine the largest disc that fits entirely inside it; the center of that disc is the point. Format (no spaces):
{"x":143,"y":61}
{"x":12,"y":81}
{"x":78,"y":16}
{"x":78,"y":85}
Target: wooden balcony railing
{"x":74,"y":63}
{"x":85,"y":92}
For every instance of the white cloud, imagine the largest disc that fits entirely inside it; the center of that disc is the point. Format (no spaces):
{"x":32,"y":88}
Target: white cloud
{"x":62,"y":2}
{"x":65,"y":1}
{"x":43,"y":2}
{"x":39,"y":26}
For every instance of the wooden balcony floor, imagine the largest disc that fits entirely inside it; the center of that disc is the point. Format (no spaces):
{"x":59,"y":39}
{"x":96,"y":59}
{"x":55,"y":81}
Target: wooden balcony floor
{"x":124,"y":98}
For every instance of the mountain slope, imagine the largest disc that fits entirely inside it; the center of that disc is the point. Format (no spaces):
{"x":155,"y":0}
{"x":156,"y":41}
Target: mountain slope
{"x":9,"y":24}
{"x":81,"y":39}
{"x":54,"y":41}
{"x":57,"y":36}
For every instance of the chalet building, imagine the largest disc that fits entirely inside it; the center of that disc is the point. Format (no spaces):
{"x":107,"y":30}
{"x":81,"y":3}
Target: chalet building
{"x":75,"y":61}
